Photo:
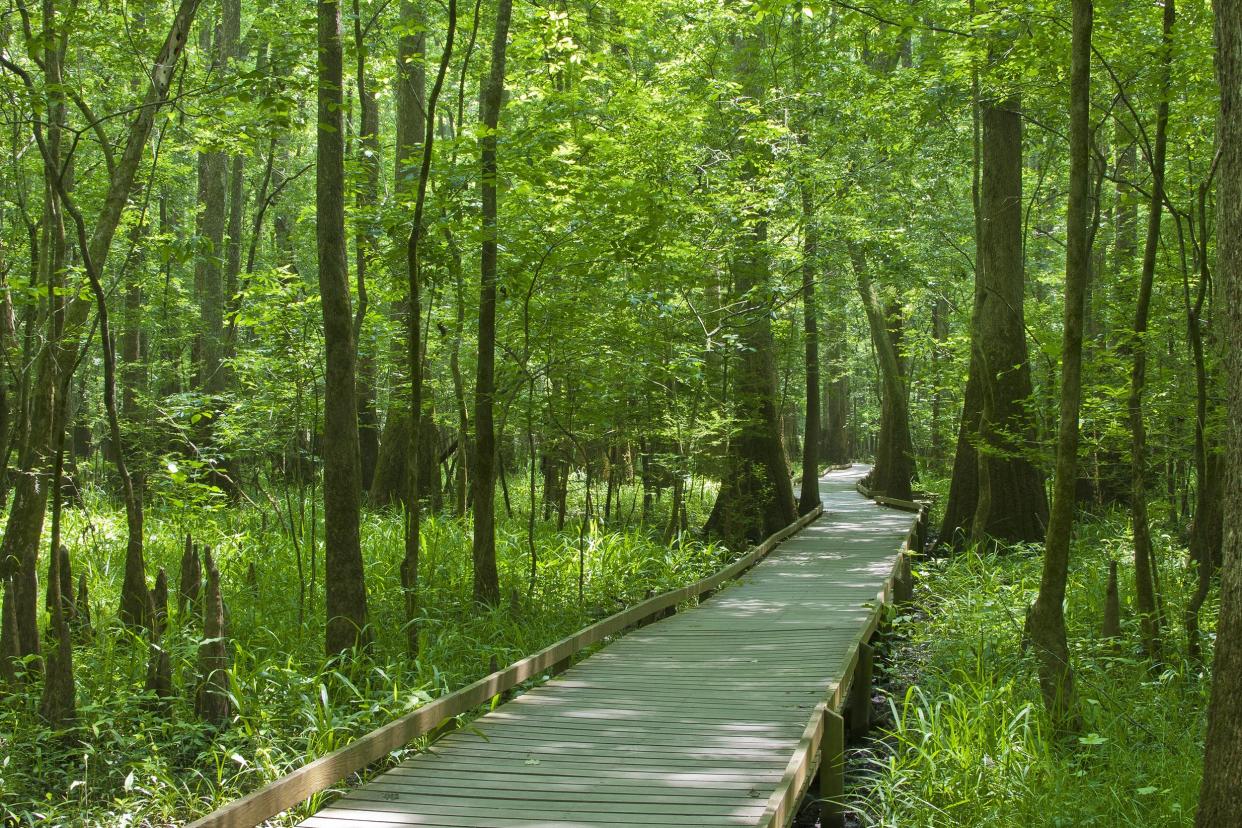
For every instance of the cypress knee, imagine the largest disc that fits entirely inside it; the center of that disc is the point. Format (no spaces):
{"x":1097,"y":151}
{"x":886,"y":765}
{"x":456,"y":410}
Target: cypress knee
{"x":159,"y":665}
{"x":1112,"y":605}
{"x":191,"y":582}
{"x":212,"y":700}
{"x":9,"y":650}
{"x":82,"y":606}
{"x":66,"y":582}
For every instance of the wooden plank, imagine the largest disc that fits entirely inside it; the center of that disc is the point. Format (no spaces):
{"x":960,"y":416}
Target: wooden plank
{"x":647,"y":725}
{"x":293,"y":788}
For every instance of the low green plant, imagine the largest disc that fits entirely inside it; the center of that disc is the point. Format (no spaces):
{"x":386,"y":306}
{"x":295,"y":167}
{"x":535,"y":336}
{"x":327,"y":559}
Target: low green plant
{"x":131,"y":760}
{"x":970,"y":745}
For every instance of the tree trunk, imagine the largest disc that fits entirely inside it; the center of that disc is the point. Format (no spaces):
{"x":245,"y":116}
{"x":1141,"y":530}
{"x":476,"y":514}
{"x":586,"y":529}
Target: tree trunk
{"x":486,"y":583}
{"x":366,"y":233}
{"x":808,"y":497}
{"x":414,"y":347}
{"x":894,"y":463}
{"x":390,"y":482}
{"x":1144,"y":576}
{"x":756,"y":495}
{"x":211,"y":701}
{"x":209,"y":259}
{"x":1011,"y":503}
{"x":346,"y":594}
{"x":1222,"y":765}
{"x":836,"y":410}
{"x":963,"y":500}
{"x":1046,"y":622}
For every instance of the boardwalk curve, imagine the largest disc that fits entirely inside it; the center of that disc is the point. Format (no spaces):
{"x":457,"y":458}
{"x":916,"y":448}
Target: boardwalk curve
{"x":711,"y":717}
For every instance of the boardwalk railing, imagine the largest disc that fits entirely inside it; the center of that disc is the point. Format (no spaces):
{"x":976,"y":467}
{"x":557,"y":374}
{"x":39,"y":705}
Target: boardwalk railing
{"x":821,"y":749}
{"x":293,"y":788}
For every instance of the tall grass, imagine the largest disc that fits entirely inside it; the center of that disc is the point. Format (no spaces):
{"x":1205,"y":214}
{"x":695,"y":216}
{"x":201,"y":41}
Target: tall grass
{"x":970,"y":744}
{"x":128,"y":763}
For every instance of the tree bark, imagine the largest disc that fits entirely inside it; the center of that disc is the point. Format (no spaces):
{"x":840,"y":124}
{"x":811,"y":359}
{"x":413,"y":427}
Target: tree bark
{"x":1046,"y":621}
{"x":1222,"y":766}
{"x":346,"y":594}
{"x":486,"y":582}
{"x":1011,"y":503}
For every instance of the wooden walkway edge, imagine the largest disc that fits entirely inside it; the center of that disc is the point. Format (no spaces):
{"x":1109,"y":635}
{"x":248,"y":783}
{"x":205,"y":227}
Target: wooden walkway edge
{"x":716,"y":716}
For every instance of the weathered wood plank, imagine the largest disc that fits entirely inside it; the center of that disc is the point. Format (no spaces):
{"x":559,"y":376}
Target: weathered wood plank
{"x":712,"y":716}
{"x":293,"y":788}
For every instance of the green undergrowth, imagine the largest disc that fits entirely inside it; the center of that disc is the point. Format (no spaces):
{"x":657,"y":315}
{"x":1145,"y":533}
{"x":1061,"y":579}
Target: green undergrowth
{"x":129,"y":763}
{"x":970,"y":744}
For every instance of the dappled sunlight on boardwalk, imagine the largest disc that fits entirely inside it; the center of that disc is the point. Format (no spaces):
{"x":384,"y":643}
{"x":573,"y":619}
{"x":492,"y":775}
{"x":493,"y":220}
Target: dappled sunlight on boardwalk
{"x":688,"y":721}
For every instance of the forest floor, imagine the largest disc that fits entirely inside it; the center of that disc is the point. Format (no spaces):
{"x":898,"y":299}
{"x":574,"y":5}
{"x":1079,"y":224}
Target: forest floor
{"x":130,"y":762}
{"x":961,"y":737}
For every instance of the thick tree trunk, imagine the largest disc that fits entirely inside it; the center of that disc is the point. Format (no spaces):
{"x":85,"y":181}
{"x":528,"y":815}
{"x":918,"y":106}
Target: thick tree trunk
{"x":808,"y":497}
{"x":1011,"y":503}
{"x":486,"y":583}
{"x":756,"y":494}
{"x":346,"y":594}
{"x":1046,"y":621}
{"x":959,"y":510}
{"x":1222,"y":766}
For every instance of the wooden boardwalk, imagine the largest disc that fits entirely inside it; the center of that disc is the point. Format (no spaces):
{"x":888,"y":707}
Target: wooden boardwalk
{"x":703,"y":718}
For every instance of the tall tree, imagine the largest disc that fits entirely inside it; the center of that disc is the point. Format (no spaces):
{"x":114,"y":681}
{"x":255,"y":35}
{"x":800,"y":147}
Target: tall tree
{"x":808,"y":496}
{"x":1222,"y":764}
{"x":1046,"y":621}
{"x":391,"y":479}
{"x":346,"y":595}
{"x":414,"y":345}
{"x":756,"y":494}
{"x":366,"y":233}
{"x":1144,"y":563}
{"x":1011,"y":503}
{"x":486,"y":581}
{"x":213,"y":40}
{"x":894,"y":456}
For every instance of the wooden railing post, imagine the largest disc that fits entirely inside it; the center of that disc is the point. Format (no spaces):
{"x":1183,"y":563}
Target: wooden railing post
{"x":832,"y":772}
{"x":859,"y":704}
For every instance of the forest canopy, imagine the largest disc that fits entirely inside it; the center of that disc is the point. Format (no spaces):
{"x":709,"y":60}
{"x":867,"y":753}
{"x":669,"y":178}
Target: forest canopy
{"x":353,"y":349}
